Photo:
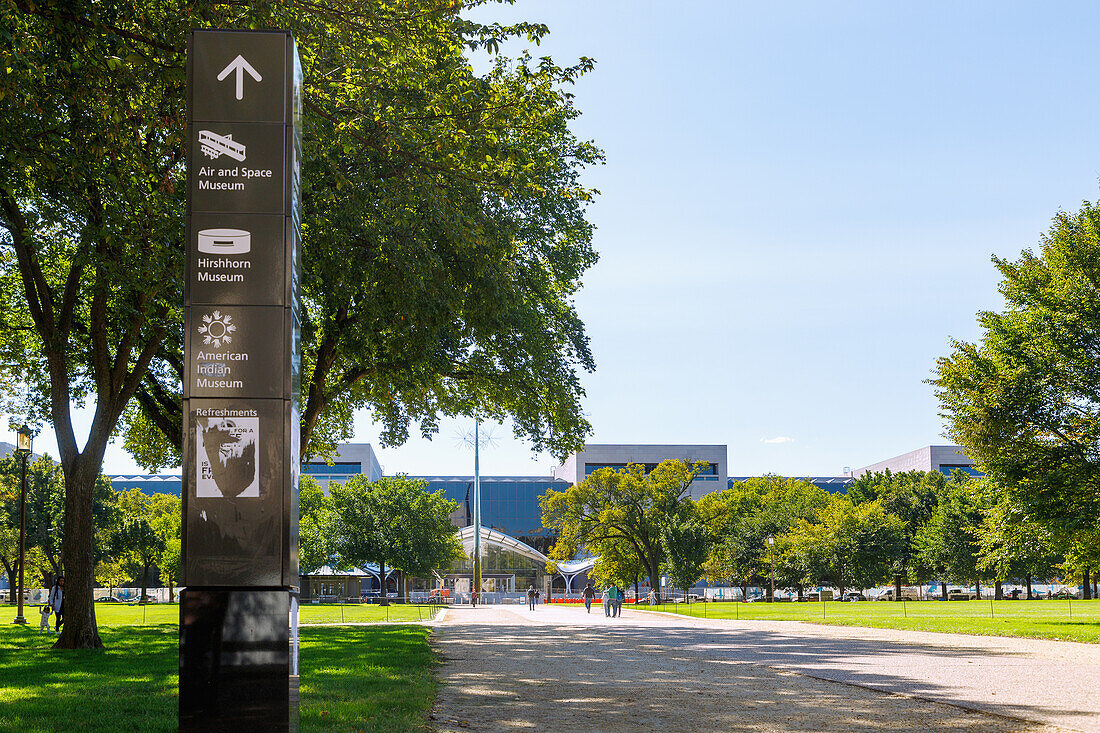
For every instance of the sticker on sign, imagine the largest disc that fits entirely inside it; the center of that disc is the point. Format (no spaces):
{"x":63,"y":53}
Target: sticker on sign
{"x":226,"y":455}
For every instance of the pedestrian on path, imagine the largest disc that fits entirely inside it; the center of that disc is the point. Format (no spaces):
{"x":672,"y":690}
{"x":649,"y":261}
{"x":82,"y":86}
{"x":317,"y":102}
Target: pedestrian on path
{"x":589,"y":593}
{"x":530,"y":598}
{"x":652,"y":598}
{"x":538,"y":596}
{"x":617,"y":602}
{"x":606,"y":598}
{"x":56,"y":601}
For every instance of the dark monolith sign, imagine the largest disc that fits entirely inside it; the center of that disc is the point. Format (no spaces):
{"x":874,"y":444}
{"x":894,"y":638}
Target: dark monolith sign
{"x":238,"y":614}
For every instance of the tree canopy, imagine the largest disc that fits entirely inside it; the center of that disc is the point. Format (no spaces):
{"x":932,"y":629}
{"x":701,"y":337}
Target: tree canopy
{"x":620,"y":510}
{"x":392,"y":523}
{"x":742,"y":518}
{"x":850,"y":545}
{"x":1025,"y":399}
{"x":444,"y":229}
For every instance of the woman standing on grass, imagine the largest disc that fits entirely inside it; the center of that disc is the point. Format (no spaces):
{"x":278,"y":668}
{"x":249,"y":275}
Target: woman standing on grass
{"x":56,"y":601}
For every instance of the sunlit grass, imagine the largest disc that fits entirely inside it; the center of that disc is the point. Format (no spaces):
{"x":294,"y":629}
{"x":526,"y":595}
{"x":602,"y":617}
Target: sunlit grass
{"x":366,"y":678}
{"x":1065,"y":620}
{"x":120,"y":614}
{"x":361,"y":613}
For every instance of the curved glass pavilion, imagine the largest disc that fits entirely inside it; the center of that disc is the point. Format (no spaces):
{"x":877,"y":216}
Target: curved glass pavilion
{"x":509,"y":566}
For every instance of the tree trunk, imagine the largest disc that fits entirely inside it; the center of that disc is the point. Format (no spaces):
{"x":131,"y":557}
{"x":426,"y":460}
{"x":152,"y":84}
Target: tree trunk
{"x":943,"y":589}
{"x":977,"y":590}
{"x":800,"y":593}
{"x":1087,"y":590}
{"x":80,"y":630}
{"x":385,"y":599}
{"x":998,"y":591}
{"x":744,"y":590}
{"x":897,"y":587}
{"x":144,"y":582}
{"x":1027,"y":582}
{"x":654,"y":579}
{"x":171,"y":591}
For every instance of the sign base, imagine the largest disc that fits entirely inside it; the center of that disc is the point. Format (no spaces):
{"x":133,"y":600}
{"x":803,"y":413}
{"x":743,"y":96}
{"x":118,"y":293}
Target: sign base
{"x":238,"y":648}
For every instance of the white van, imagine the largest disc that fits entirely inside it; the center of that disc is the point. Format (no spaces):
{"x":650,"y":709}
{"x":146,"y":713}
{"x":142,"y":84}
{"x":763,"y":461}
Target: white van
{"x":907,"y":594}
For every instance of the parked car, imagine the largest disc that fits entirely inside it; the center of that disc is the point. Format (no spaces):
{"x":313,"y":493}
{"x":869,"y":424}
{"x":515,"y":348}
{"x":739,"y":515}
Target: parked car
{"x":852,"y":596}
{"x":108,"y":599}
{"x":958,"y":594}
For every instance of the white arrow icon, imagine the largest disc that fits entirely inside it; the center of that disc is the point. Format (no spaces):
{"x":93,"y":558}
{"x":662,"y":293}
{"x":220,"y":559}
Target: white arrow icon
{"x":240,"y":65}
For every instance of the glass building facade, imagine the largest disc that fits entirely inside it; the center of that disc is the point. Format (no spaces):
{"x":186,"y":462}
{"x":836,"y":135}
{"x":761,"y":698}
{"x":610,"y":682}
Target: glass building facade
{"x":148,"y":483}
{"x":509,"y":504}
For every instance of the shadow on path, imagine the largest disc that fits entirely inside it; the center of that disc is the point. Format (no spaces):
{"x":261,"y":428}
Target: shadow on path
{"x":512,"y":674}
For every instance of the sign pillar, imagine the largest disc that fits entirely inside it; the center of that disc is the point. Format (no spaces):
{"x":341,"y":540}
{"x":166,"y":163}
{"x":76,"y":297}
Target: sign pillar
{"x":239,"y":611}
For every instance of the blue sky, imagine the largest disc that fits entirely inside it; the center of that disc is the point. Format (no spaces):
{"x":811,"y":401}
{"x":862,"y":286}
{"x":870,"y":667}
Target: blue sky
{"x":798,"y":210}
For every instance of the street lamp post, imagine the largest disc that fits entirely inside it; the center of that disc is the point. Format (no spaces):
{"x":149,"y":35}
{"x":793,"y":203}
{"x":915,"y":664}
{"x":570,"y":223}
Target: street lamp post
{"x":23,"y":448}
{"x":771,"y":548}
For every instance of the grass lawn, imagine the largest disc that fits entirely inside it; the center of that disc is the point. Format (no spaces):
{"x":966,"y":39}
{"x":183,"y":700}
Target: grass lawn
{"x":354,"y":678}
{"x":1065,"y":620}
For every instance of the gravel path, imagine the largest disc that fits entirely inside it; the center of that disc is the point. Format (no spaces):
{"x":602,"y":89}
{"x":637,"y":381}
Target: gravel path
{"x":561,"y":669}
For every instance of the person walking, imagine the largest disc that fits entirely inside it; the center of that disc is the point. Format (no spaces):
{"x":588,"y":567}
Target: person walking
{"x":617,"y":603}
{"x":589,"y":593}
{"x":56,"y":601}
{"x":530,"y":598}
{"x":652,"y":598}
{"x":538,"y":597}
{"x":606,"y":598}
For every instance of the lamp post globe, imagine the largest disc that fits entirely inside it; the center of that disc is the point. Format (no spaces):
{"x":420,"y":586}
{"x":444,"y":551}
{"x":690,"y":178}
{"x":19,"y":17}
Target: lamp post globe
{"x":24,"y":438}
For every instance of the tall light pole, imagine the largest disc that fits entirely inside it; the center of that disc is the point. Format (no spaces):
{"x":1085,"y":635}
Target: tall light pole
{"x":771,"y":547}
{"x":477,"y":509}
{"x":23,"y":448}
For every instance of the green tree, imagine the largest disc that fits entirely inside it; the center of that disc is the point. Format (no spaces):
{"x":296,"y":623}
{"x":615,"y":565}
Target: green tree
{"x":394,"y":523}
{"x":45,"y":504}
{"x":950,"y":541}
{"x":110,"y":574}
{"x":610,"y":508}
{"x":686,"y":542}
{"x":1025,"y":399}
{"x":617,"y":565}
{"x":170,"y":564}
{"x":9,"y":552}
{"x":745,"y":515}
{"x":416,"y":168}
{"x":146,"y":525}
{"x":168,"y":517}
{"x":314,"y":526}
{"x":911,"y":496}
{"x":850,"y":545}
{"x":1011,"y":546}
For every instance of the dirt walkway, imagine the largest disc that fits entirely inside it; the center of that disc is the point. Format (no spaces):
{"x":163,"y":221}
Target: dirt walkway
{"x":563,"y":670}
